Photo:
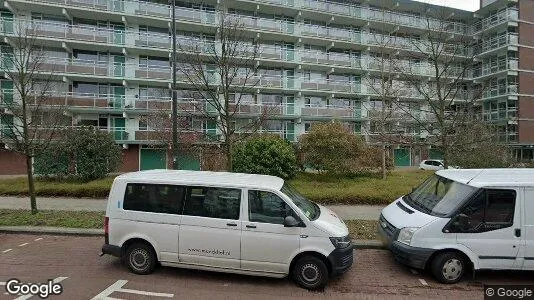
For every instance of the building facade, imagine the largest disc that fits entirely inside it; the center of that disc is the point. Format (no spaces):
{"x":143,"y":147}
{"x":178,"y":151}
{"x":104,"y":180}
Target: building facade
{"x":111,"y":66}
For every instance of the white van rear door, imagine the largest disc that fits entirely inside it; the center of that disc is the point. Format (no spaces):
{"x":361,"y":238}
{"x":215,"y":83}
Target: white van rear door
{"x":528,"y":229}
{"x":494,"y":216}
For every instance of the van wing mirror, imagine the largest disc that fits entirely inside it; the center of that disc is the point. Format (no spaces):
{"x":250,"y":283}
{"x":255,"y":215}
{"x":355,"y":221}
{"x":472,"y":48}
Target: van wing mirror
{"x":290,"y":221}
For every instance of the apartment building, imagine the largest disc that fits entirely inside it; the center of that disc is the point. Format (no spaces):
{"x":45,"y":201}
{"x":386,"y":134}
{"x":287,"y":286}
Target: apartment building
{"x":111,"y":65}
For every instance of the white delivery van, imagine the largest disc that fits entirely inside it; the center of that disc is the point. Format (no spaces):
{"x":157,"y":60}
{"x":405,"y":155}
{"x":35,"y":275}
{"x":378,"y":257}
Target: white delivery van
{"x":228,"y":222}
{"x":464,"y":220}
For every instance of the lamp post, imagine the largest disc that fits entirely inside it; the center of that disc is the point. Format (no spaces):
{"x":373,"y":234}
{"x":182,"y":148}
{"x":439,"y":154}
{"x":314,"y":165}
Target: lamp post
{"x":173,"y":88}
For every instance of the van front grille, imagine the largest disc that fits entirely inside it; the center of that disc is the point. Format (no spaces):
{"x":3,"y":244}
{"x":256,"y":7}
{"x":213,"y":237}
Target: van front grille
{"x":388,"y":228}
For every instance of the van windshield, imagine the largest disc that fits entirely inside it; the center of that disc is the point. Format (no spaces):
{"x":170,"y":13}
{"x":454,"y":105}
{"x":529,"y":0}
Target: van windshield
{"x":308,"y":208}
{"x":439,"y":196}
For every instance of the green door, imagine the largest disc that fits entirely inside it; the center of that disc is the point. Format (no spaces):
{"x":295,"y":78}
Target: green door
{"x":290,"y":131}
{"x":118,"y":34}
{"x":7,"y":21}
{"x":290,"y":106}
{"x":6,"y":126}
{"x":290,"y":52}
{"x":7,"y":92}
{"x":402,"y":157}
{"x":118,"y":65}
{"x":118,"y":97}
{"x":153,"y":159}
{"x":119,"y":126}
{"x":211,"y":129}
{"x":290,"y":80}
{"x":188,"y":162}
{"x":435,"y":154}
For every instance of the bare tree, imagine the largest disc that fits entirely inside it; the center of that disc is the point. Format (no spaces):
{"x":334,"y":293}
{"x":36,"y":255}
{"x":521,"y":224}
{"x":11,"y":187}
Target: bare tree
{"x":438,"y":73}
{"x":35,"y":115}
{"x":384,"y":62}
{"x":221,"y":73}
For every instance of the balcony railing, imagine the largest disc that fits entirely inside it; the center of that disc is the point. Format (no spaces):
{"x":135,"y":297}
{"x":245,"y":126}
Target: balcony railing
{"x":489,"y":68}
{"x":510,"y":14}
{"x":501,"y":90}
{"x":330,"y":85}
{"x":330,"y":111}
{"x":495,"y":42}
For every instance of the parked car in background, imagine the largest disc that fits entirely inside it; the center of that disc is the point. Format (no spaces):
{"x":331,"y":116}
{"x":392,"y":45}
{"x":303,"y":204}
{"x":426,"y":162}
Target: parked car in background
{"x":227,"y":222}
{"x":461,"y":221}
{"x":432,"y":164}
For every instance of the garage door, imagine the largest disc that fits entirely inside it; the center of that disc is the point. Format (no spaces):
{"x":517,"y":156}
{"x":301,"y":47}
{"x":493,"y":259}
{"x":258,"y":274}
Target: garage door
{"x":402,"y":157}
{"x":188,"y":162}
{"x":153,"y":159}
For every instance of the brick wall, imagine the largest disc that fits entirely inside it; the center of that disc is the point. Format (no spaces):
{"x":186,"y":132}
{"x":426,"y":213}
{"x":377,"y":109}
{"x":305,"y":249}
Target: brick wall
{"x":130,"y":159}
{"x":526,"y":10}
{"x":12,"y":163}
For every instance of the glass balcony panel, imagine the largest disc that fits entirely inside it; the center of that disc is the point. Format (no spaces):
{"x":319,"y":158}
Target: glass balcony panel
{"x":153,"y":40}
{"x":153,"y":9}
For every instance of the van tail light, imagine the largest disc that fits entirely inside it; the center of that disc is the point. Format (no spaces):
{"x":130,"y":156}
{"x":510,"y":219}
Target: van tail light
{"x":106,"y":230}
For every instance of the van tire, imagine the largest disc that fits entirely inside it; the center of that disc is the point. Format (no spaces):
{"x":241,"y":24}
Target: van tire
{"x":140,"y":258}
{"x":310,"y":273}
{"x":448,"y":267}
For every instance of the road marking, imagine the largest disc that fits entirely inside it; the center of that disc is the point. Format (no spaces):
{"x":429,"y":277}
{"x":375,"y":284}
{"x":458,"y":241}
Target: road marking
{"x":423,"y":282}
{"x":25,"y":297}
{"x":2,"y":283}
{"x":6,"y":251}
{"x":117,"y":287}
{"x":38,"y":239}
{"x":22,"y":245}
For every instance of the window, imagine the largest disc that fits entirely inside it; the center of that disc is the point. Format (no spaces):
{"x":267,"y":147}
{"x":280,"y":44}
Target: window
{"x":266,"y":207}
{"x":158,"y":198}
{"x":490,"y":210}
{"x":213,"y":202}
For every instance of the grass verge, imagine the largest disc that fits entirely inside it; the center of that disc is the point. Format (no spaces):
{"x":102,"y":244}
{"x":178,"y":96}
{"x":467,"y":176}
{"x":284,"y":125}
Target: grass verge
{"x":70,"y":219}
{"x":53,"y":188}
{"x":358,"y":190}
{"x":362,"y":229}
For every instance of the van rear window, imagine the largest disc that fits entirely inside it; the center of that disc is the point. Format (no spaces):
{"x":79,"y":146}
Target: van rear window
{"x":158,"y":198}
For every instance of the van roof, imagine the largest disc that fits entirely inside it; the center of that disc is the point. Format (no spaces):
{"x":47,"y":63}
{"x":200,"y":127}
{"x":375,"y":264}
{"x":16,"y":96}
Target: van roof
{"x":490,"y":177}
{"x":205,"y":178}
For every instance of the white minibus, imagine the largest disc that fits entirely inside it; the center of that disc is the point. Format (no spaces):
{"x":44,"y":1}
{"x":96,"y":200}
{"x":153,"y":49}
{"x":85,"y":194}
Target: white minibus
{"x":460,"y":221}
{"x":228,"y":222}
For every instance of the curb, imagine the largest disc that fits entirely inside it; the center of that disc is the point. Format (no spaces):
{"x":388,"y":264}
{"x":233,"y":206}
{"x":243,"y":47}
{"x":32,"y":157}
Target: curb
{"x":358,"y":244}
{"x":51,"y":230}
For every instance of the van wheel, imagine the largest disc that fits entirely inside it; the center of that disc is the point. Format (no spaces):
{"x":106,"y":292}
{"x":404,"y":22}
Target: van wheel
{"x":140,"y":258}
{"x":310,"y":273}
{"x":448,"y":267}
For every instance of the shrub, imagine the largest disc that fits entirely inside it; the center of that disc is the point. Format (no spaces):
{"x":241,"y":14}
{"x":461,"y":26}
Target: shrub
{"x":477,"y":146}
{"x":84,"y":153}
{"x":331,"y":148}
{"x":265,"y":154}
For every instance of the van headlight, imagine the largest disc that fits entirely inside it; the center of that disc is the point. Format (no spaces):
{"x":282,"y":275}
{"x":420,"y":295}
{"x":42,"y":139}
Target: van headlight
{"x":341,"y":242}
{"x":405,"y":235}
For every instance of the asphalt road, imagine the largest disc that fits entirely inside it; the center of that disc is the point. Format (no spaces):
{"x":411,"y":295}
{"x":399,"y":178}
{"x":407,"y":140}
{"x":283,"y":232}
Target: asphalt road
{"x":74,"y":262}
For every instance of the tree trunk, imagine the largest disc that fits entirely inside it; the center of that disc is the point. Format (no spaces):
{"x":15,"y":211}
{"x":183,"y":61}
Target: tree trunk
{"x":228,"y":154}
{"x":384,"y":171}
{"x":31,"y":185}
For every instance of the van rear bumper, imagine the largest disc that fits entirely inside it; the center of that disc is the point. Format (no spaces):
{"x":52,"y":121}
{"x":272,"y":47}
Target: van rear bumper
{"x":112,"y":250}
{"x":341,"y":260}
{"x":411,"y":256}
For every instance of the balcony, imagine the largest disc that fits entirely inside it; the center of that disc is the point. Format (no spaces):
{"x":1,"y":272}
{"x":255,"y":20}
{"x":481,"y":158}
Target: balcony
{"x":500,"y":90}
{"x":63,"y":31}
{"x":164,"y":135}
{"x":495,"y":42}
{"x":152,"y":40}
{"x":330,"y":111}
{"x":330,"y":86}
{"x":264,"y":24}
{"x":489,"y":68}
{"x":508,"y":15}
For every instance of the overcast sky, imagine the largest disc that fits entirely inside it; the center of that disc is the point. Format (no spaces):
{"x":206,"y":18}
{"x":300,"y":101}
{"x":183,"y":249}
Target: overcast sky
{"x":471,"y":5}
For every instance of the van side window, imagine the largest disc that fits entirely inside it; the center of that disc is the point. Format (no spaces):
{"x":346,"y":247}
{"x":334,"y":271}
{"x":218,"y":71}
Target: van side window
{"x":491,"y":210}
{"x":158,"y":198}
{"x":213,"y":202}
{"x":266,"y":207}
